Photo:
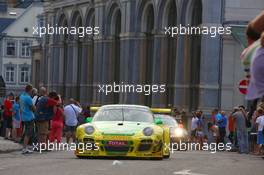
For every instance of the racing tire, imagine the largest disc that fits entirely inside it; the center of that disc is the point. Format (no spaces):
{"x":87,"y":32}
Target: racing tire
{"x":166,"y":156}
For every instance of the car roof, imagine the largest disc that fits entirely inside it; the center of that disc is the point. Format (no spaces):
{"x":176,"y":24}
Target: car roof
{"x":163,"y":116}
{"x":124,"y":106}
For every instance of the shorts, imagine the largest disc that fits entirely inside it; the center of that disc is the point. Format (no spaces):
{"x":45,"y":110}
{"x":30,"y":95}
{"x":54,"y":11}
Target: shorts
{"x":200,"y":134}
{"x":8,"y":122}
{"x":28,"y":128}
{"x":16,"y":124}
{"x":193,"y":133}
{"x":42,"y":127}
{"x":70,"y":129}
{"x":260,"y":139}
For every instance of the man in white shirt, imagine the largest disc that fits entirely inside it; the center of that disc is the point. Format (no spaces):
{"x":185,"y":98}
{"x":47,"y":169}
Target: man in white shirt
{"x":194,"y":126}
{"x":71,"y":112}
{"x":260,"y":126}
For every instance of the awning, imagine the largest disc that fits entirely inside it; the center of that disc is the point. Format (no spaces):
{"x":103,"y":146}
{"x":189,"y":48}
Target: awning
{"x":239,"y":34}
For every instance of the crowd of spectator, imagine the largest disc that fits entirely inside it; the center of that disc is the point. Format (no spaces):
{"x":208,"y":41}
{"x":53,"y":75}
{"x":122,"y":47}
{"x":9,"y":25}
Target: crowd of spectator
{"x":36,"y":117}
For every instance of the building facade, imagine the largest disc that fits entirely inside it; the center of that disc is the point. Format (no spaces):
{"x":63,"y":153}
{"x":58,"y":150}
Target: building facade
{"x":132,"y":48}
{"x":16,"y":41}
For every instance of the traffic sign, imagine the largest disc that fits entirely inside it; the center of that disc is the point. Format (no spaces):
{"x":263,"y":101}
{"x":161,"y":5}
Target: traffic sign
{"x":243,"y":85}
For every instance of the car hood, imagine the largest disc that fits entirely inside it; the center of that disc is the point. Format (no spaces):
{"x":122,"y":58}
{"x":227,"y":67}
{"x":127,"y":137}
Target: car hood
{"x":122,"y":128}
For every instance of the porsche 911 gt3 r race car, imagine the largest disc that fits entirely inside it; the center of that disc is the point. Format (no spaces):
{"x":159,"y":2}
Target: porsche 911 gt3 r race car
{"x":123,"y":131}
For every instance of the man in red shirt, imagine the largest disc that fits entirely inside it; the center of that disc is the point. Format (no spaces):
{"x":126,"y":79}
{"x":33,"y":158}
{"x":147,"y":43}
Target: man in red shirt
{"x":231,"y":128}
{"x":8,"y":105}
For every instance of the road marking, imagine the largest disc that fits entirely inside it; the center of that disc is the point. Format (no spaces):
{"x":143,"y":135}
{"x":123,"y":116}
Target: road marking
{"x":117,"y":162}
{"x":186,"y":172}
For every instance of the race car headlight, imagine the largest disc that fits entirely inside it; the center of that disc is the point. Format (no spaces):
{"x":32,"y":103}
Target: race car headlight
{"x":89,"y":130}
{"x":148,"y":131}
{"x":178,"y":132}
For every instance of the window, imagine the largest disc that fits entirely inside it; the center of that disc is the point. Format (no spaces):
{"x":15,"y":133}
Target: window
{"x":24,"y":78}
{"x":25,"y":49}
{"x":10,"y":48}
{"x":10,"y":74}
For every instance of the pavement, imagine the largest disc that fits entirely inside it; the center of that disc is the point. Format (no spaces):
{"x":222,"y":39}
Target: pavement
{"x":7,"y":146}
{"x":180,"y":163}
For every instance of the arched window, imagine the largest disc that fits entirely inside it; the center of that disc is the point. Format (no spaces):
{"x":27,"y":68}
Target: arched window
{"x":148,"y":27}
{"x":89,"y":58}
{"x":170,"y":16}
{"x":195,"y":56}
{"x":115,"y":30}
{"x":77,"y":22}
{"x":62,"y":38}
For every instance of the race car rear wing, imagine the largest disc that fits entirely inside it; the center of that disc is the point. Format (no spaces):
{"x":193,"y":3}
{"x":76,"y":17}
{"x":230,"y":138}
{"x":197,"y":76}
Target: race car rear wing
{"x":154,"y":110}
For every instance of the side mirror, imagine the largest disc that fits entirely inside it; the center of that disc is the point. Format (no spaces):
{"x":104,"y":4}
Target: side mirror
{"x":88,"y":120}
{"x":158,"y":121}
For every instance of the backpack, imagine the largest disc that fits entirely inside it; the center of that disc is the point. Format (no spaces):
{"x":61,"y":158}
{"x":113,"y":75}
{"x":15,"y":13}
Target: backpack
{"x":43,"y":112}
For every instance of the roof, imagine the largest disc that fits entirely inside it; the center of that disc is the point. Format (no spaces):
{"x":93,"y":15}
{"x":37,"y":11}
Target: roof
{"x":5,"y":22}
{"x":24,"y":3}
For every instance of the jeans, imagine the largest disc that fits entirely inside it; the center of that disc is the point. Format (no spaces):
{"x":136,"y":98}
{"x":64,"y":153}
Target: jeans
{"x":222,"y":134}
{"x":242,"y":138}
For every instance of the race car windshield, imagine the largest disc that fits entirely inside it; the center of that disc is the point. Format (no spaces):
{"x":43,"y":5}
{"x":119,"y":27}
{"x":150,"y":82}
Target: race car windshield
{"x":134,"y":115}
{"x":167,"y":120}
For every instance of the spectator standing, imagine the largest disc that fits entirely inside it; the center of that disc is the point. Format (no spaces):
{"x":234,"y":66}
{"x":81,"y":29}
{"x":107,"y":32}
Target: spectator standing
{"x":194,"y":126}
{"x":213,"y":115}
{"x":44,"y":112}
{"x":241,"y":130}
{"x":16,"y":119}
{"x":8,"y":105}
{"x":254,"y":133}
{"x":256,"y":86}
{"x":27,"y":115}
{"x":231,"y":129}
{"x":221,"y":121}
{"x":71,"y":112}
{"x":2,"y":132}
{"x":57,"y":123}
{"x":260,"y":127}
{"x":214,"y":130}
{"x":35,"y":96}
{"x":200,"y":127}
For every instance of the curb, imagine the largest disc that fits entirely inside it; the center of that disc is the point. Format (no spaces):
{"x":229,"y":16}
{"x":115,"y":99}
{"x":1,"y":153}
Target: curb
{"x":10,"y":151}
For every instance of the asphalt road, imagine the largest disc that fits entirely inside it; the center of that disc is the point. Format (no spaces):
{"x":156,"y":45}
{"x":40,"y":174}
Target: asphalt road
{"x":182,"y":163}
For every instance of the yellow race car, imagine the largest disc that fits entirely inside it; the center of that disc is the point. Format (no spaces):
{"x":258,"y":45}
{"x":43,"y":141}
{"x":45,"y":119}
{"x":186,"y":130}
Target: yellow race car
{"x":123,"y":131}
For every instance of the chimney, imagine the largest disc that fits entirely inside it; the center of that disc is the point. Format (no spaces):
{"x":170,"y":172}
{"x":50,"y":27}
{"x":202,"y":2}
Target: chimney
{"x":12,"y":3}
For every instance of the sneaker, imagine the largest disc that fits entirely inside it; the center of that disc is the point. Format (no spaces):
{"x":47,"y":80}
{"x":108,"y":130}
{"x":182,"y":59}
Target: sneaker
{"x":26,"y":151}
